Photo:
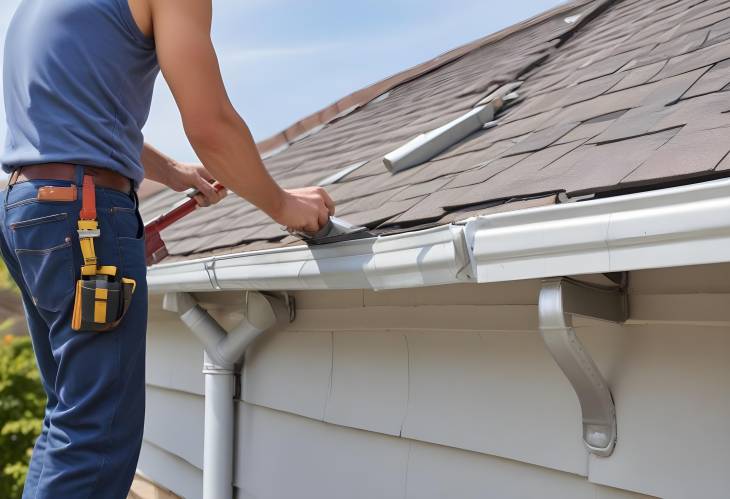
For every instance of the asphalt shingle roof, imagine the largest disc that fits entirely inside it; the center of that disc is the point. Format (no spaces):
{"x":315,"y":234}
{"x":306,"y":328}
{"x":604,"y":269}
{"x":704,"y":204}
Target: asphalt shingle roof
{"x":631,"y":96}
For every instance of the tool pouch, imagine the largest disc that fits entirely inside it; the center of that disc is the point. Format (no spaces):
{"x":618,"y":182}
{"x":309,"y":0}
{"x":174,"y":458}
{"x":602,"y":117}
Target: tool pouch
{"x":102,"y":295}
{"x":101,"y":300}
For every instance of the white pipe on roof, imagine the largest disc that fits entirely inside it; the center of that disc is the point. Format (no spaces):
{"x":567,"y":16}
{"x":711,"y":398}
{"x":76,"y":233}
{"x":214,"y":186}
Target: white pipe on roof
{"x":427,"y":145}
{"x":686,"y":225}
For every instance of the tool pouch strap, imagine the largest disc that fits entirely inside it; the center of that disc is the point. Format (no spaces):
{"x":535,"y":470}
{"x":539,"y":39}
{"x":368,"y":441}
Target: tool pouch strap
{"x":102,"y":295}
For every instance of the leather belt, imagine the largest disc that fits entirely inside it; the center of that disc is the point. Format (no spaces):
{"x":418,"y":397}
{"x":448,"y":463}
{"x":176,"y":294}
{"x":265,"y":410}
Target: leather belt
{"x":62,"y":171}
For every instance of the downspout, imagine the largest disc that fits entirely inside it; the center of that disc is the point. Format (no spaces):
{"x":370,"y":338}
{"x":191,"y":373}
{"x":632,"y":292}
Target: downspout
{"x":222,"y":359}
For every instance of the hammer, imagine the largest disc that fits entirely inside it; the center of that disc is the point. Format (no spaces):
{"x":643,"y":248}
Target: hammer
{"x":154,"y":247}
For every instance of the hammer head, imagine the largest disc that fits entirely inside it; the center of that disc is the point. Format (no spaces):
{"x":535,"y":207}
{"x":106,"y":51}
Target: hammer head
{"x":154,"y":247}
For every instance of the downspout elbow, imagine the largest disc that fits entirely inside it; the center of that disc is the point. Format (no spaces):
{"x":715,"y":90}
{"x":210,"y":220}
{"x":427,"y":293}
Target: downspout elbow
{"x":261,"y":313}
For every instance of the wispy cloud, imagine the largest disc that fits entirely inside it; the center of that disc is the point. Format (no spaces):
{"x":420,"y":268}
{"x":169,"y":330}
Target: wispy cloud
{"x":283,"y":59}
{"x":261,"y":53}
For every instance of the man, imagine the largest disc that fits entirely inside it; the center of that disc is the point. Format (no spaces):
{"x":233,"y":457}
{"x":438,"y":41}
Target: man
{"x":78,"y":81}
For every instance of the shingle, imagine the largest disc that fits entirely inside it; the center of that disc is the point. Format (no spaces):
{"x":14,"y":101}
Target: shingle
{"x":590,"y":128}
{"x":713,"y":81}
{"x":703,"y":111}
{"x":724,"y":165}
{"x":520,"y":127}
{"x":594,"y":168}
{"x":484,"y":172}
{"x":693,"y":60}
{"x":517,"y":204}
{"x":367,"y":201}
{"x":481,"y":141}
{"x":639,"y":76}
{"x":423,"y":188}
{"x":605,"y":104}
{"x":606,"y":66}
{"x":633,"y":123}
{"x":719,"y":32}
{"x":651,"y":111}
{"x":429,"y":208}
{"x":387,"y":212}
{"x":567,"y":95}
{"x":689,"y":152}
{"x":516,"y":180}
{"x":681,"y":45}
{"x":541,"y":139}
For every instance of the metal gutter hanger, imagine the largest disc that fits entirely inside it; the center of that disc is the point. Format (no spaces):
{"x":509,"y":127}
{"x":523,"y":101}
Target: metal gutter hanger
{"x":560,"y":299}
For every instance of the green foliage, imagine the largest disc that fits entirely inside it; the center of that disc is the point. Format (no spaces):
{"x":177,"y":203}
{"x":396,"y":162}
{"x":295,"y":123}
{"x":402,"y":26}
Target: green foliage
{"x":6,"y":282}
{"x":22,"y":402}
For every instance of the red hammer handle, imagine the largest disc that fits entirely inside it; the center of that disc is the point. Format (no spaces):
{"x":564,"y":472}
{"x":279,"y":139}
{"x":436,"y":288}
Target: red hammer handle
{"x":152,"y":229}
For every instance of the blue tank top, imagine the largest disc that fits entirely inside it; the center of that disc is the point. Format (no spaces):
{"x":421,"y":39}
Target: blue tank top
{"x":78,"y":80}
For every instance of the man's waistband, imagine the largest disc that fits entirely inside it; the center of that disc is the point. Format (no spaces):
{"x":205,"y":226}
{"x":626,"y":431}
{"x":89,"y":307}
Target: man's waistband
{"x":62,"y":171}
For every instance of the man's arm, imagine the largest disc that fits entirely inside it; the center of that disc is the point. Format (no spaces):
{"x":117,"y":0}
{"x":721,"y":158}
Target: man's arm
{"x":180,"y":176}
{"x":217,"y":133}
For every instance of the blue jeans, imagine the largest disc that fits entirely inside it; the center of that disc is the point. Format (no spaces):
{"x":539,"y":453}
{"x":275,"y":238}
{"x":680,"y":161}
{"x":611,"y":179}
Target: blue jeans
{"x":92,"y":429}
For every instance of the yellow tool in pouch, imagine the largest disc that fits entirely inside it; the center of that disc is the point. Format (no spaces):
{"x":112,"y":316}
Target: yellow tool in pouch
{"x":102,"y":296}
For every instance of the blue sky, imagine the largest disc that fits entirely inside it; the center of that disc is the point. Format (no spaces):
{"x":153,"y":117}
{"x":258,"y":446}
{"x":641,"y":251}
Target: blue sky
{"x":284,"y":59}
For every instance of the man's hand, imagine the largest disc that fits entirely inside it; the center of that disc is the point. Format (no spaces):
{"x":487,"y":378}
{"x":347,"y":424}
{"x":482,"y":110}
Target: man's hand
{"x":184,"y":177}
{"x":306,"y":210}
{"x":180,"y":176}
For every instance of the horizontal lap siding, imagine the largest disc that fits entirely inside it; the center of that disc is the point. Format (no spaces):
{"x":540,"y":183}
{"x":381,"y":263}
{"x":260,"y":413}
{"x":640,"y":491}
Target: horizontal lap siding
{"x":171,"y":472}
{"x":287,"y":456}
{"x":174,"y":422}
{"x":172,"y":450}
{"x":672,"y":393}
{"x":462,"y":368}
{"x":174,"y":356}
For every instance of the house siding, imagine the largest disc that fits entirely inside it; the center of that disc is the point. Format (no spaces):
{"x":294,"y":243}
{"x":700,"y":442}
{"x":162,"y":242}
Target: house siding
{"x":449,"y":392}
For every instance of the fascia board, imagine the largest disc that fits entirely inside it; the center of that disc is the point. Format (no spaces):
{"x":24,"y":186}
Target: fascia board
{"x":688,"y":225}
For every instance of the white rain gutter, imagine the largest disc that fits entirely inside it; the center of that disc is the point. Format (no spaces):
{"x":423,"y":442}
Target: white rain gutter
{"x":688,"y":225}
{"x":223,"y":352}
{"x":414,"y":259}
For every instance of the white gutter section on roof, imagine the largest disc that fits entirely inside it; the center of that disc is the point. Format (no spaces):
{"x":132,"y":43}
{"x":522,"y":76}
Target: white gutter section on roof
{"x":688,"y":225}
{"x":413,"y":259}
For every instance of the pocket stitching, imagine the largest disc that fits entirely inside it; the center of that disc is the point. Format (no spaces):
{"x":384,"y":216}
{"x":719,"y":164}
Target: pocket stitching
{"x":67,"y":265}
{"x":40,"y":220}
{"x":21,"y":251}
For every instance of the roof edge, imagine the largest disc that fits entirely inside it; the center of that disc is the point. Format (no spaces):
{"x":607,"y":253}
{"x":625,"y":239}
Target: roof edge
{"x":670,"y":227}
{"x":361,"y":97}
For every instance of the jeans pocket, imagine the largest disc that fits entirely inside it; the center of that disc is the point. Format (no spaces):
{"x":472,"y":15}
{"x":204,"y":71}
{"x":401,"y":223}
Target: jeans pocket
{"x":45,"y":256}
{"x":131,"y":250}
{"x":129,"y":229}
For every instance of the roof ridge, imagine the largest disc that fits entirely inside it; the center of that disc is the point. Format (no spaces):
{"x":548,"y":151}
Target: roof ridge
{"x":361,"y":97}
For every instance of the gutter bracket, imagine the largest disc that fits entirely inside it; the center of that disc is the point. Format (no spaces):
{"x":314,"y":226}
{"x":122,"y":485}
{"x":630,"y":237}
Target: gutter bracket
{"x":560,"y":299}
